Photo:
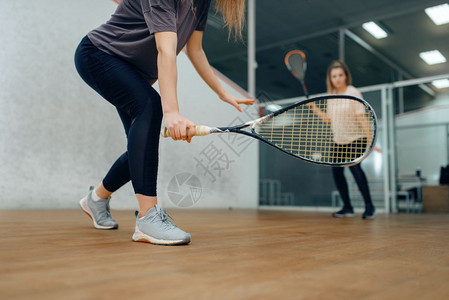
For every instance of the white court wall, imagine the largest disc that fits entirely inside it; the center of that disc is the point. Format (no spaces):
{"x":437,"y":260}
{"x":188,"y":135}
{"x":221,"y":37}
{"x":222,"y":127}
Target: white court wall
{"x":422,"y":141}
{"x":57,"y":136}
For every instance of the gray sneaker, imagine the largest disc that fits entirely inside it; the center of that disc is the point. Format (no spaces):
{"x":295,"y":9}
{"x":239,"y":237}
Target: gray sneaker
{"x":98,"y":211}
{"x":156,"y":228}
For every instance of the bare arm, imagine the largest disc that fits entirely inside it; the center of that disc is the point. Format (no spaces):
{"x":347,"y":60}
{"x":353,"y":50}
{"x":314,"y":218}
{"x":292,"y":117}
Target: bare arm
{"x":362,"y":119}
{"x":320,"y":114}
{"x":363,"y":122}
{"x":196,"y":55}
{"x":166,"y":43}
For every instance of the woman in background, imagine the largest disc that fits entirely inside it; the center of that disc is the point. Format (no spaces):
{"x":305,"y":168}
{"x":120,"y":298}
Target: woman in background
{"x":339,"y":83}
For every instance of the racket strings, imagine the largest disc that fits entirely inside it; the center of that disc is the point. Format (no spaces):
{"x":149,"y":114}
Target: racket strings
{"x":297,"y":64}
{"x":341,"y":133}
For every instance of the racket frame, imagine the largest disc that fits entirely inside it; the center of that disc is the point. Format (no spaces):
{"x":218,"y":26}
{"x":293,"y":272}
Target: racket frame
{"x":252,"y":124}
{"x":302,"y":78}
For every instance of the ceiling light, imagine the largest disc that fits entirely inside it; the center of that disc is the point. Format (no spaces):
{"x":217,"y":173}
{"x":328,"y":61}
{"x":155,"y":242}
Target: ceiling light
{"x":439,"y":14}
{"x":441,"y":83}
{"x":433,"y":57}
{"x":375,"y":30}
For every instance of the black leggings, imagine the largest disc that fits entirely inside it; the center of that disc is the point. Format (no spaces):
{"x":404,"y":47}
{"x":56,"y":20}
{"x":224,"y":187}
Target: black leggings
{"x":139,"y":107}
{"x":342,"y":185}
{"x":350,"y":152}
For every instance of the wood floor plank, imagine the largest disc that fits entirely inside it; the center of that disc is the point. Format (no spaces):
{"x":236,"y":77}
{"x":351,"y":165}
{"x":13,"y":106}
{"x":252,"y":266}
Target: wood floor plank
{"x":233,"y":255}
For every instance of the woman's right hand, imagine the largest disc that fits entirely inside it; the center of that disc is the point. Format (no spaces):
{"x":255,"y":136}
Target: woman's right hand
{"x":180,"y":128}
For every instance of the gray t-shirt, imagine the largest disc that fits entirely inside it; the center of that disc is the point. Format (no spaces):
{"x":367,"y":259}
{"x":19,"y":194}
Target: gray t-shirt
{"x":129,"y":34}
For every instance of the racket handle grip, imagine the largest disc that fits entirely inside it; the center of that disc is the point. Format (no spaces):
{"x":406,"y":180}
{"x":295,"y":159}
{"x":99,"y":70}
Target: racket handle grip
{"x":199,"y":131}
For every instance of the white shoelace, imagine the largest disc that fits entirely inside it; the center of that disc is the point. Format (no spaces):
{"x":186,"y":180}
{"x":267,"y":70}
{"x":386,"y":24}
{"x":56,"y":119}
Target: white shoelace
{"x":163,"y":216}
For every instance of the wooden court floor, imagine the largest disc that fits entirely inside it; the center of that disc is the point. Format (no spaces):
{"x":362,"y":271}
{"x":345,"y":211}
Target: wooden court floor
{"x":233,"y":255}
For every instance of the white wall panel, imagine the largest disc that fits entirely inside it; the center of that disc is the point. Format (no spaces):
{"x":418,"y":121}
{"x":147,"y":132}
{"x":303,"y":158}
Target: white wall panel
{"x":57,"y":136}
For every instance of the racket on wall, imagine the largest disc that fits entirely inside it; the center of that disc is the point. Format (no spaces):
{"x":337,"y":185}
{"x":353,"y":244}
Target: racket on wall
{"x":296,"y":63}
{"x":305,"y":130}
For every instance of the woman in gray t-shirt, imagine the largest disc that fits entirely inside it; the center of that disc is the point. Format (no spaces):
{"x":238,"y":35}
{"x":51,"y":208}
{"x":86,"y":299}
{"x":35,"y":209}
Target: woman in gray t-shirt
{"x":121,"y":60}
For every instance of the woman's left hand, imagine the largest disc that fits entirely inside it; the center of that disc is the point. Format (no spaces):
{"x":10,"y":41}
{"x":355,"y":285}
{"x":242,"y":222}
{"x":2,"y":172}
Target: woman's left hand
{"x":377,"y":149}
{"x":235,"y":101}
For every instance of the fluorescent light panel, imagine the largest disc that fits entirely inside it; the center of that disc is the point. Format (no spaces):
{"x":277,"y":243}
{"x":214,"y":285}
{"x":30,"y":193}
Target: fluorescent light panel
{"x":441,"y":83}
{"x":433,"y":57}
{"x":439,"y":14}
{"x":375,"y":30}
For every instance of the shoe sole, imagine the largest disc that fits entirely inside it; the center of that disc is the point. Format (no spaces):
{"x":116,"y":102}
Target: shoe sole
{"x":369,"y":218}
{"x":87,"y":211}
{"x":343,"y":216}
{"x":144,"y":238}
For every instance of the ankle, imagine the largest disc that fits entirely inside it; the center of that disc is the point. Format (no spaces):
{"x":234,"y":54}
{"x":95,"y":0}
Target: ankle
{"x":145,"y":203}
{"x":95,"y":196}
{"x":144,"y":210}
{"x":141,"y":214}
{"x":102,"y":192}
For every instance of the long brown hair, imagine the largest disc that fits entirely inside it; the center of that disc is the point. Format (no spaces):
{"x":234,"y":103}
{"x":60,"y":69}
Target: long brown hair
{"x":233,"y":12}
{"x":334,"y":65}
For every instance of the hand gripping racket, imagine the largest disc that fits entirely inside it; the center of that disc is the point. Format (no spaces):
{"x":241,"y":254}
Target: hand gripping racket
{"x":308,"y":130}
{"x":296,"y":63}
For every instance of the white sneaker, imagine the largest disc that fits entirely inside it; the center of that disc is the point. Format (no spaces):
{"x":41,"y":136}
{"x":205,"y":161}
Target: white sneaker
{"x":98,"y":211}
{"x":156,"y":228}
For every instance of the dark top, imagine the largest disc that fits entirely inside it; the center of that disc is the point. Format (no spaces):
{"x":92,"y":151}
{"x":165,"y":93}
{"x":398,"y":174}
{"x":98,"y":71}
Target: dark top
{"x":129,"y":33}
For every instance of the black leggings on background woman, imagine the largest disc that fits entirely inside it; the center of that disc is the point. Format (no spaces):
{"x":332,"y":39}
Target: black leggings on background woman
{"x":342,"y":185}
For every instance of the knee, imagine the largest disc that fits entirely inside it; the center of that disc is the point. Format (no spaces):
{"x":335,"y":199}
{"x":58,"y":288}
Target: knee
{"x":150,"y":108}
{"x":156,"y":105}
{"x":337,"y":171}
{"x":124,"y":158}
{"x":152,"y":112}
{"x":356,"y":169}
